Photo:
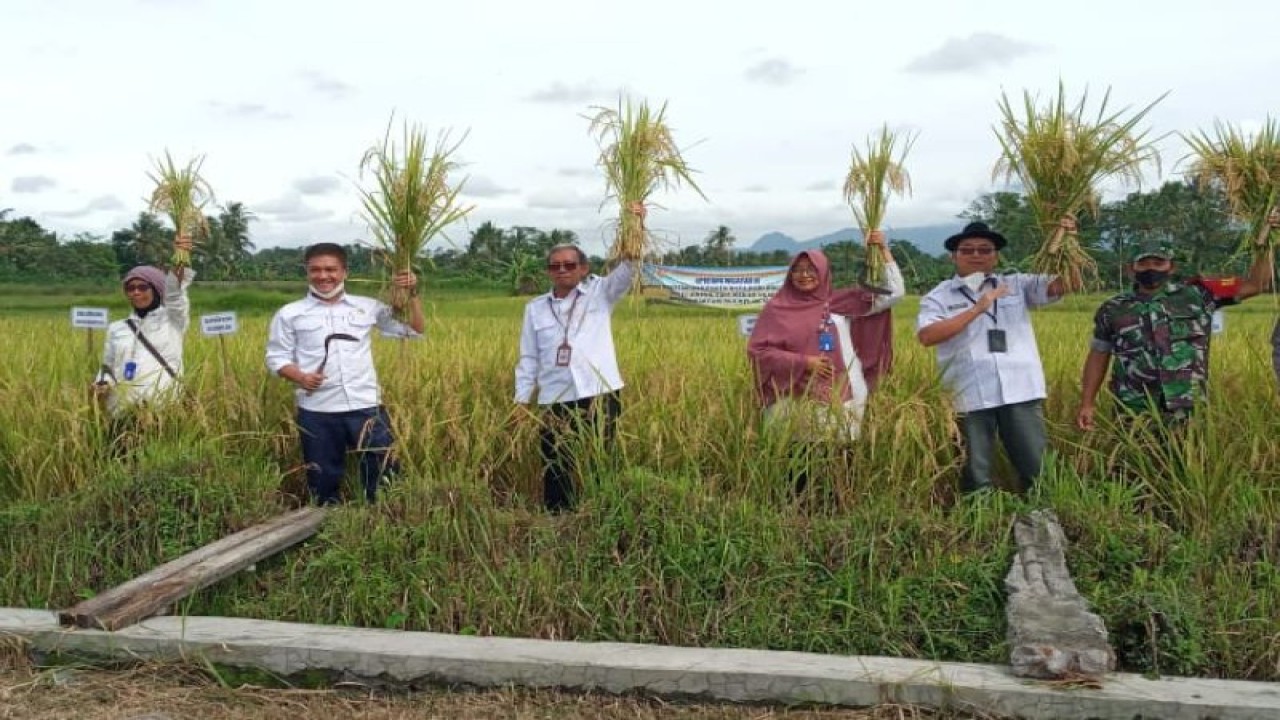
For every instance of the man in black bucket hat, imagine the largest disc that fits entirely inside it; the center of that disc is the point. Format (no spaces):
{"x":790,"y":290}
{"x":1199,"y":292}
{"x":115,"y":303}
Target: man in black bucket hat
{"x":980,"y":325}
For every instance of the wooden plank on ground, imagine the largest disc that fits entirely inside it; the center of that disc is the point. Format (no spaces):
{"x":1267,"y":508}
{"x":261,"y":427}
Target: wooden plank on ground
{"x":151,"y":592}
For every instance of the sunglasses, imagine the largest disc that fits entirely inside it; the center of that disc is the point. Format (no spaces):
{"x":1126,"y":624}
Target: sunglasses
{"x":136,"y":287}
{"x":975,"y":251}
{"x":562,"y":266}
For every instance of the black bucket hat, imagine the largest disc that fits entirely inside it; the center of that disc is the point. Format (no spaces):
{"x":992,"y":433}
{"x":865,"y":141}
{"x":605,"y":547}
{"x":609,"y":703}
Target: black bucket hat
{"x":975,"y":230}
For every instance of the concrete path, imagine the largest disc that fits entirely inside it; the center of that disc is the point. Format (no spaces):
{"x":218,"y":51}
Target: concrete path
{"x":416,"y":658}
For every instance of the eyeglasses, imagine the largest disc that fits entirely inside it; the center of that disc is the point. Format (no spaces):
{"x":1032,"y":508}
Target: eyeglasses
{"x":562,"y":266}
{"x":136,"y":287}
{"x":975,"y":251}
{"x":811,"y":272}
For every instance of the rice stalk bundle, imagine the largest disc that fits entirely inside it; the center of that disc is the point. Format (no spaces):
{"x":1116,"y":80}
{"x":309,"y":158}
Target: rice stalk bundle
{"x":873,"y":177}
{"x":181,"y":193}
{"x":412,"y":199}
{"x":1246,"y":167}
{"x":1060,"y":154}
{"x":639,"y":157}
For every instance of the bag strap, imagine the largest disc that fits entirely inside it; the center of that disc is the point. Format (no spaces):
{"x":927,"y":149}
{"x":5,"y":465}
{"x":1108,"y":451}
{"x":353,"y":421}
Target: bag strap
{"x":137,"y":331}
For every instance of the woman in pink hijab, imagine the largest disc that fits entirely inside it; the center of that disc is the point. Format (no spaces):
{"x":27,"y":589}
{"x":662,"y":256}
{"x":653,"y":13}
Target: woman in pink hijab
{"x":818,"y":353}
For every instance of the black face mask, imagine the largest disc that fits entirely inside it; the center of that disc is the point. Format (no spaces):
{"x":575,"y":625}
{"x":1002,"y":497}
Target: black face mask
{"x":1151,"y":278}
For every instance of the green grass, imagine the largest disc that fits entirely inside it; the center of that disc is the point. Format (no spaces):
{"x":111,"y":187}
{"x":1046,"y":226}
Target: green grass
{"x":691,"y":536}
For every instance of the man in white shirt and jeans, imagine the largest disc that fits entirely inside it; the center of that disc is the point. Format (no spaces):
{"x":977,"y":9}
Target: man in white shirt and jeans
{"x":567,"y":356}
{"x":980,"y":324}
{"x":321,"y":344}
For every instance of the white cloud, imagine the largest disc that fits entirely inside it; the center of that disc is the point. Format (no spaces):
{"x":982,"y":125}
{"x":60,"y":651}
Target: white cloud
{"x":326,"y":85}
{"x":563,"y":93}
{"x":32,"y":184}
{"x":248,"y":110}
{"x":102,"y":203}
{"x":317,"y":185}
{"x":756,"y":189}
{"x":22,"y":149}
{"x":482,"y":186}
{"x":774,"y":71}
{"x":290,"y":208}
{"x":562,"y":199}
{"x":821,"y":186}
{"x":979,"y":50}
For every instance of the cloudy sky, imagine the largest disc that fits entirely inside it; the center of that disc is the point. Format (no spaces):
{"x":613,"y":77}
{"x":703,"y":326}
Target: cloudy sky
{"x":284,"y":96}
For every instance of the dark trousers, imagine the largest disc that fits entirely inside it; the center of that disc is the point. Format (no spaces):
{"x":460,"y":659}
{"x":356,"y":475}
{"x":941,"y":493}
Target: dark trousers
{"x":805,"y":456}
{"x":1275,"y":350}
{"x":1020,"y":427}
{"x":568,"y":429}
{"x":326,"y":438}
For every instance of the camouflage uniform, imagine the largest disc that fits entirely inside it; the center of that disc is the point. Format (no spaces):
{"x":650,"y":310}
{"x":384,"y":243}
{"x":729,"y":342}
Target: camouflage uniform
{"x":1159,"y":346}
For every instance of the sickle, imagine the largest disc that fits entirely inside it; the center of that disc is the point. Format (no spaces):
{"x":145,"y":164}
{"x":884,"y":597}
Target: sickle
{"x":327,"y":341}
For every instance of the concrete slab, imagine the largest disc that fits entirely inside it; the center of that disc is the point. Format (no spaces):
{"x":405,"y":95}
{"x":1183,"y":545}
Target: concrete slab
{"x":415,"y":658}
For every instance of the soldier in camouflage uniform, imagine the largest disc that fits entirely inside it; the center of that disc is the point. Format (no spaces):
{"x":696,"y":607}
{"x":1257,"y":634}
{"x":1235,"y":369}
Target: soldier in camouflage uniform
{"x":1156,"y":338}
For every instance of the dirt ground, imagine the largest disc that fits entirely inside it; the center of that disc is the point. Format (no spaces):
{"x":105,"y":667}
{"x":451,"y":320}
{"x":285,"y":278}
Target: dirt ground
{"x":170,"y":692}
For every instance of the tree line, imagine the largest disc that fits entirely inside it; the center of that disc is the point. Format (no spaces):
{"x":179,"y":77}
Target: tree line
{"x":1191,"y":218}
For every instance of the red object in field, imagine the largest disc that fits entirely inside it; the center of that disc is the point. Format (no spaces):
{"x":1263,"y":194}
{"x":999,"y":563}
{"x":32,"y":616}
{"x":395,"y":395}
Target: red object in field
{"x":1223,"y":288}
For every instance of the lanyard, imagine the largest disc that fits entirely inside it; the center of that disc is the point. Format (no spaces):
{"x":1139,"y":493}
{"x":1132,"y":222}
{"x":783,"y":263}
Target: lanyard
{"x":992,"y":313}
{"x":825,"y":323}
{"x":568,"y":322}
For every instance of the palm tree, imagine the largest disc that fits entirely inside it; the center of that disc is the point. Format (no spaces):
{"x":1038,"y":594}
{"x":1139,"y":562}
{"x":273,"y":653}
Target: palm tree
{"x":146,"y":242}
{"x":228,"y":244}
{"x":719,"y":244}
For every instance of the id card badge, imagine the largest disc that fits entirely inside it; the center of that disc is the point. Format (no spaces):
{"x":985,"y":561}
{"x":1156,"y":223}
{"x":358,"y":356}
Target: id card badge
{"x":130,"y":370}
{"x":825,"y":342}
{"x":563,"y":354}
{"x":996,"y":341}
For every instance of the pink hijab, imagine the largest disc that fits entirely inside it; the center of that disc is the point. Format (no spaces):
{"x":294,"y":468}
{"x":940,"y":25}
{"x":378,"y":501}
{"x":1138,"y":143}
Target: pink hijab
{"x":787,"y":331}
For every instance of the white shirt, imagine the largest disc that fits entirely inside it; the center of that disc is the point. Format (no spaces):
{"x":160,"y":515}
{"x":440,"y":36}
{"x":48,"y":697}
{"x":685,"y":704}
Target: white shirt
{"x":583,"y":319}
{"x":978,"y":378}
{"x":297,"y":337}
{"x":164,"y":327}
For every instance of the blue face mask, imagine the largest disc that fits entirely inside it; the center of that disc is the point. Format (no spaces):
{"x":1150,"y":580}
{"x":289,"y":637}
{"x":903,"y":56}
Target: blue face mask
{"x":1151,"y":278}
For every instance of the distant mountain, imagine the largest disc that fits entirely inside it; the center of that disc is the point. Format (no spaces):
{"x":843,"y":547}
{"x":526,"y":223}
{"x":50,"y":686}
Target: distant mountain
{"x":928,"y":238}
{"x":775,"y":241}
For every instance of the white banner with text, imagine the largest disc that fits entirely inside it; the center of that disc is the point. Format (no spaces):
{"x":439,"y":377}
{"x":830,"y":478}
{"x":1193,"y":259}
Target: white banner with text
{"x":721,"y":286}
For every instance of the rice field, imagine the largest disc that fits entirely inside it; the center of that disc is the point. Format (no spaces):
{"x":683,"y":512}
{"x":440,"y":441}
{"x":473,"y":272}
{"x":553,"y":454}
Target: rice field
{"x":689,"y":536}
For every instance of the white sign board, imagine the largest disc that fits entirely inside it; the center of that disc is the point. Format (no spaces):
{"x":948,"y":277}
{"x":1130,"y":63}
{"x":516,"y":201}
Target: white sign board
{"x":90,"y":318}
{"x":746,"y":323}
{"x":1219,"y":321}
{"x":223,"y":323}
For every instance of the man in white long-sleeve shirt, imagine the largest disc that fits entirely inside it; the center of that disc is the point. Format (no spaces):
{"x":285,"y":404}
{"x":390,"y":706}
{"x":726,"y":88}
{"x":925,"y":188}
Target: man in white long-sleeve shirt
{"x":567,"y":357}
{"x":980,"y":325}
{"x":321,"y":344}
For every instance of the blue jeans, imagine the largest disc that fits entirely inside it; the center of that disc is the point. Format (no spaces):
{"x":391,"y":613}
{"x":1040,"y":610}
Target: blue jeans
{"x":326,"y":438}
{"x":1021,"y":430}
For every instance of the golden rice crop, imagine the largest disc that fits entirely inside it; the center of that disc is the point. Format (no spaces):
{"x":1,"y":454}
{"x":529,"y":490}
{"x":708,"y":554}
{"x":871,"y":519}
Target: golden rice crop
{"x":872,"y":178}
{"x":1060,"y":154}
{"x":181,"y":193}
{"x":412,"y":199}
{"x":1247,"y":169}
{"x":639,"y":156}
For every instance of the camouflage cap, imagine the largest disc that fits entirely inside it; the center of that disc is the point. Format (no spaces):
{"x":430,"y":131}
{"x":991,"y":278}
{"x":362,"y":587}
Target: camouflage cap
{"x":1151,"y":249}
